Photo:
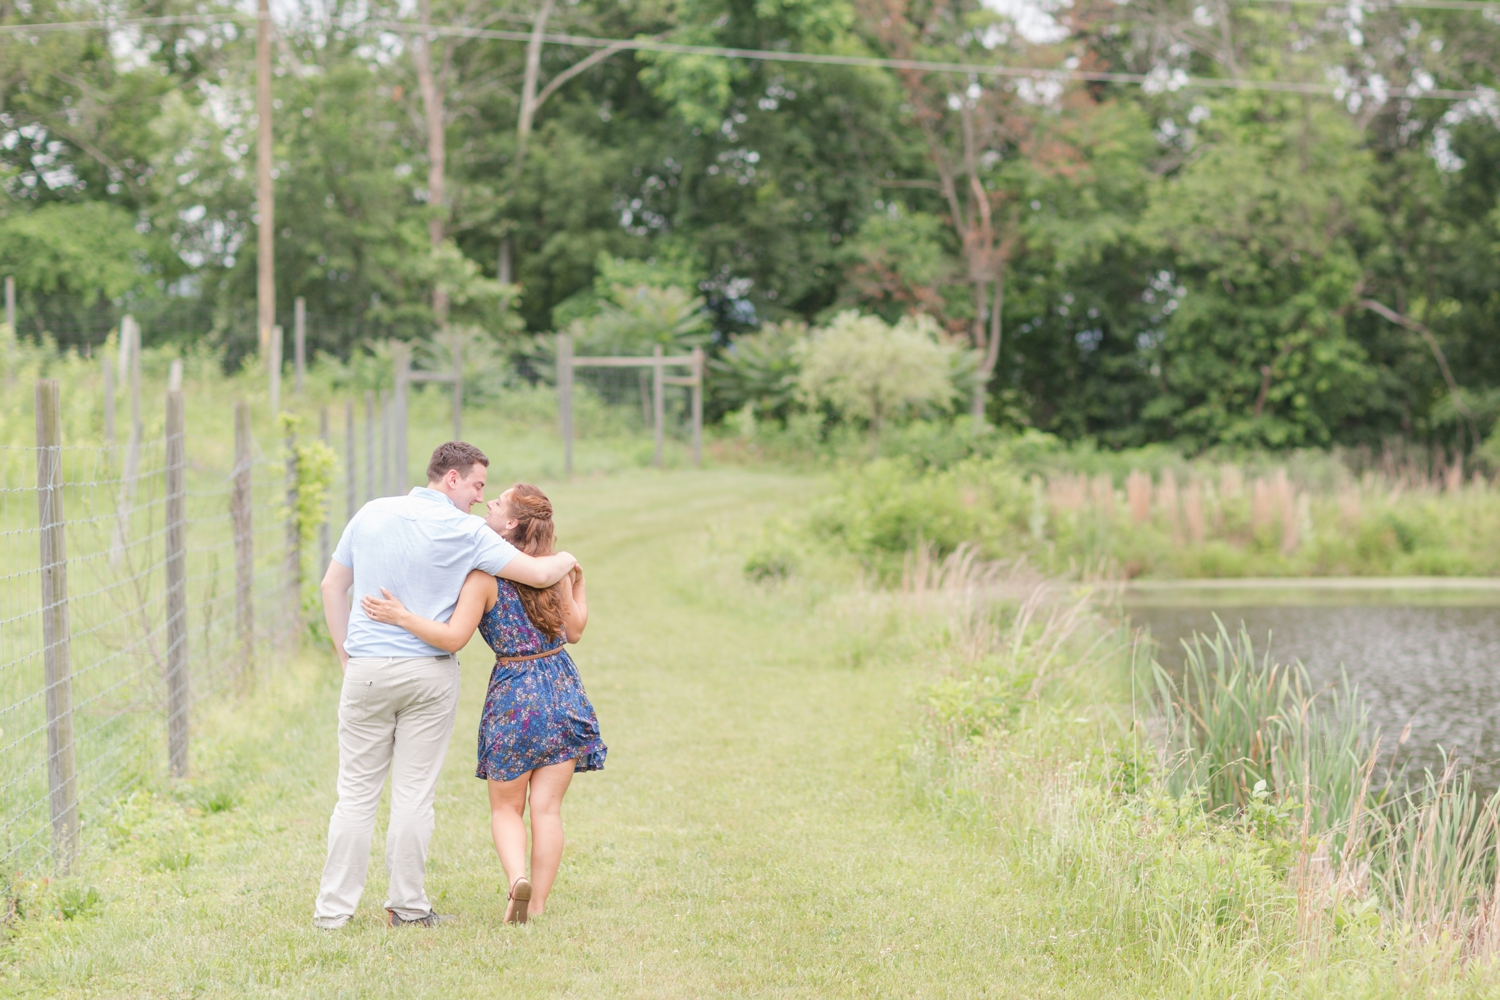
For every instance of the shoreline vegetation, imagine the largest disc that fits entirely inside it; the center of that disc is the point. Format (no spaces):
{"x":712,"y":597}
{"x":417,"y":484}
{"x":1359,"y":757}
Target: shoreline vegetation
{"x":1317,"y":515}
{"x":1238,"y":829}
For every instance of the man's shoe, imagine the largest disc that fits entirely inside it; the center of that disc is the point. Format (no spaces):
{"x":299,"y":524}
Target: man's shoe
{"x":432,"y":919}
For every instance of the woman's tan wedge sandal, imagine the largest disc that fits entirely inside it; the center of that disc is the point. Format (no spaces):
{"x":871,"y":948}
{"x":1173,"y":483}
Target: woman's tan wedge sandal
{"x":520,"y":898}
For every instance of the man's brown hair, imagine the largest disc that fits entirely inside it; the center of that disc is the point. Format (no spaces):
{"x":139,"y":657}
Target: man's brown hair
{"x":460,"y":455}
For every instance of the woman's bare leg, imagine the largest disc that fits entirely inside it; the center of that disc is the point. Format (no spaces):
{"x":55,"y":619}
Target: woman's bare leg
{"x":548,"y":786}
{"x":507,"y":802}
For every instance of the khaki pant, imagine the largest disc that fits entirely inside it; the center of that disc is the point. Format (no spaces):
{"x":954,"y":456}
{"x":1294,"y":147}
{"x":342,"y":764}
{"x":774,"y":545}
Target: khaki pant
{"x":395,"y":714}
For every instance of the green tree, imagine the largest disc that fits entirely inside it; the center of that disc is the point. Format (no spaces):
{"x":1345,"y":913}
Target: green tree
{"x":1260,"y":232}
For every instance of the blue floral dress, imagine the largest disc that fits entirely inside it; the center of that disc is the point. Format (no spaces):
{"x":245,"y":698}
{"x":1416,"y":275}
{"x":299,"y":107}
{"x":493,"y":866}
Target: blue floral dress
{"x":536,"y":712}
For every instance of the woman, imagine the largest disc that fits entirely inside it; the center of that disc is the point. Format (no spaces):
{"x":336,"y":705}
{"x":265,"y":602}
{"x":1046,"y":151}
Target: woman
{"x":538,"y":727}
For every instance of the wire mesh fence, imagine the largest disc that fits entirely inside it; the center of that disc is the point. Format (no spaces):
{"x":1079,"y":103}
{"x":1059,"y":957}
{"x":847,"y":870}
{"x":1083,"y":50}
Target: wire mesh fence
{"x":597,"y":395}
{"x":96,"y":676}
{"x":84,"y":323}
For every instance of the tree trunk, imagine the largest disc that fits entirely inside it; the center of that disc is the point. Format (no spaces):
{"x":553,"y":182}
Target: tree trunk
{"x":992,"y":349}
{"x":529,"y":103}
{"x":528,"y":86}
{"x":437,"y":151}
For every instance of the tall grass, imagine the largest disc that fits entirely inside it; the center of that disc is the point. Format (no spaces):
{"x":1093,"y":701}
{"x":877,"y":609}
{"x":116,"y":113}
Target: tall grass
{"x":1235,"y":823}
{"x":1244,"y":737}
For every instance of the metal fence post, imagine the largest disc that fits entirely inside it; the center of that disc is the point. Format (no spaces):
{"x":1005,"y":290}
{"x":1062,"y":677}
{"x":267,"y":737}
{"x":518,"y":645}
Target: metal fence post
{"x":275,"y":352}
{"x":658,"y":390}
{"x":130,"y":362}
{"x":178,"y":696}
{"x":299,"y":342}
{"x":565,"y":398}
{"x":109,"y":403}
{"x":401,"y":355}
{"x":351,"y":481}
{"x":369,"y":445}
{"x":698,"y":367}
{"x":10,"y":320}
{"x":323,"y":549}
{"x":56,"y":634}
{"x":293,"y":565}
{"x":458,"y":387}
{"x":240,"y":504}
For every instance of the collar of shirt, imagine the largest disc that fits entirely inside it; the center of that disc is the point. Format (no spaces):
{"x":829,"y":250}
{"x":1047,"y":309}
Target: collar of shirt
{"x":427,"y":493}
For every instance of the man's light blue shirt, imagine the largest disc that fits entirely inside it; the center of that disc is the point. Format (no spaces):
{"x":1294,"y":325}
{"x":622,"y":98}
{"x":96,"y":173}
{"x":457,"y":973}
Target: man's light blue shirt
{"x":420,"y":547}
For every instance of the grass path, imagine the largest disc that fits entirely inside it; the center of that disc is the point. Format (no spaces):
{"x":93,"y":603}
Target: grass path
{"x":749,"y":837}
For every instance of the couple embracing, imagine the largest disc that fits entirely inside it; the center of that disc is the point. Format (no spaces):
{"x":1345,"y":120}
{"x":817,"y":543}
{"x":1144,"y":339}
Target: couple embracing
{"x":424,"y":574}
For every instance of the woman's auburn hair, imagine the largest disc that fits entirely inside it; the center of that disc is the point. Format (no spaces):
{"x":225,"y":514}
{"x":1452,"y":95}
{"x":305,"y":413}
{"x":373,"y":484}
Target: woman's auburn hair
{"x":533,"y":535}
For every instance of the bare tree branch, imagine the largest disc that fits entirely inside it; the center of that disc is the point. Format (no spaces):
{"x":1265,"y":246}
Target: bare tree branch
{"x":1421,"y":330}
{"x":581,"y":66}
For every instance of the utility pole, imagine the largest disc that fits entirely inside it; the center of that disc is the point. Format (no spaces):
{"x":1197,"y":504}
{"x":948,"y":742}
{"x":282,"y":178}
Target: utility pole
{"x":265,"y":197}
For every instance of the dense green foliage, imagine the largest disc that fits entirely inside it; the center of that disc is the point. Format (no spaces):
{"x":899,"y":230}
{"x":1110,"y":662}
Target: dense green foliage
{"x":1130,"y":263}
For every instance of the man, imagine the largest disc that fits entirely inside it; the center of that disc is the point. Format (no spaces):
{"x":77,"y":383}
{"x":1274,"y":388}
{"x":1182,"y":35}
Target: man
{"x":400,"y":695}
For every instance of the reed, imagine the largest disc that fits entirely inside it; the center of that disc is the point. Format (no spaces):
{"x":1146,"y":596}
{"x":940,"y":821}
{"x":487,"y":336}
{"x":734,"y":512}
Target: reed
{"x":1420,"y":858}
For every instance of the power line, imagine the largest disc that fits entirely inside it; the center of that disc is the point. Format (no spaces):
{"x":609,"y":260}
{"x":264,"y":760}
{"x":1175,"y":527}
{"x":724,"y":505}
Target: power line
{"x":967,"y":69}
{"x":1479,"y":6}
{"x":1037,"y":73}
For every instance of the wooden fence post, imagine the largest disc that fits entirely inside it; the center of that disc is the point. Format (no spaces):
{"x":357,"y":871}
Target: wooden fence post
{"x":275,"y":359}
{"x":324,"y":552}
{"x":351,"y":481}
{"x":178,"y":696}
{"x":293,"y":565}
{"x":240,"y":505}
{"x":56,"y":635}
{"x":299,"y":342}
{"x":174,"y":375}
{"x":401,"y":356}
{"x":565,"y":398}
{"x":369,"y":445}
{"x":658,"y":412}
{"x":697,"y":376}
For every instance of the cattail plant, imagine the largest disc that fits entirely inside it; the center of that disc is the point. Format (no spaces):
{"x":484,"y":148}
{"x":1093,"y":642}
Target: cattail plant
{"x":1192,"y":511}
{"x":1423,"y":860}
{"x":1138,"y":495}
{"x":1103,"y":492}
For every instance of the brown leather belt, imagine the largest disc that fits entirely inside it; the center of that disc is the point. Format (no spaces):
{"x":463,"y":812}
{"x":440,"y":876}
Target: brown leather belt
{"x":529,"y":656}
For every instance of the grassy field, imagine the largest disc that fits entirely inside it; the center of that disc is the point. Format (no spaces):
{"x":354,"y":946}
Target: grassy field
{"x":776,"y":818}
{"x":750,"y":835}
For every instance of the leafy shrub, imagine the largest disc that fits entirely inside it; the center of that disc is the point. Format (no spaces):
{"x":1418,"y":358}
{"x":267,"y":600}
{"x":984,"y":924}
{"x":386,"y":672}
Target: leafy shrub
{"x":873,"y":373}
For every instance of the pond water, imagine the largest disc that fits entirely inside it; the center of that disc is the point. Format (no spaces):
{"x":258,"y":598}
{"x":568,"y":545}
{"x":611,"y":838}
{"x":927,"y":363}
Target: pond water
{"x":1428,"y":658}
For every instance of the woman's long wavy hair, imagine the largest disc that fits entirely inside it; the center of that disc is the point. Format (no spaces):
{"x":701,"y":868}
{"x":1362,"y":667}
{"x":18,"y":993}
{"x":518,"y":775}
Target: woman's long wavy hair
{"x":533,"y":535}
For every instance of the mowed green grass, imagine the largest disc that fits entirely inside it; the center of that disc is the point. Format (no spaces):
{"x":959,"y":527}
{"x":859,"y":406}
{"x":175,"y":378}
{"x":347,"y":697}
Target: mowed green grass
{"x":751,"y":835}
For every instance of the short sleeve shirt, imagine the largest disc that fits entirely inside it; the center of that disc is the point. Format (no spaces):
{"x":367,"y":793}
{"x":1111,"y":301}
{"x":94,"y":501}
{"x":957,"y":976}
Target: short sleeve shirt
{"x":420,"y":547}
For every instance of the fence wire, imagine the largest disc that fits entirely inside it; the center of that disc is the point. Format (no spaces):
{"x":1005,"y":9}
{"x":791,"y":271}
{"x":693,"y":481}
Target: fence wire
{"x":114,"y":506}
{"x":609,"y":402}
